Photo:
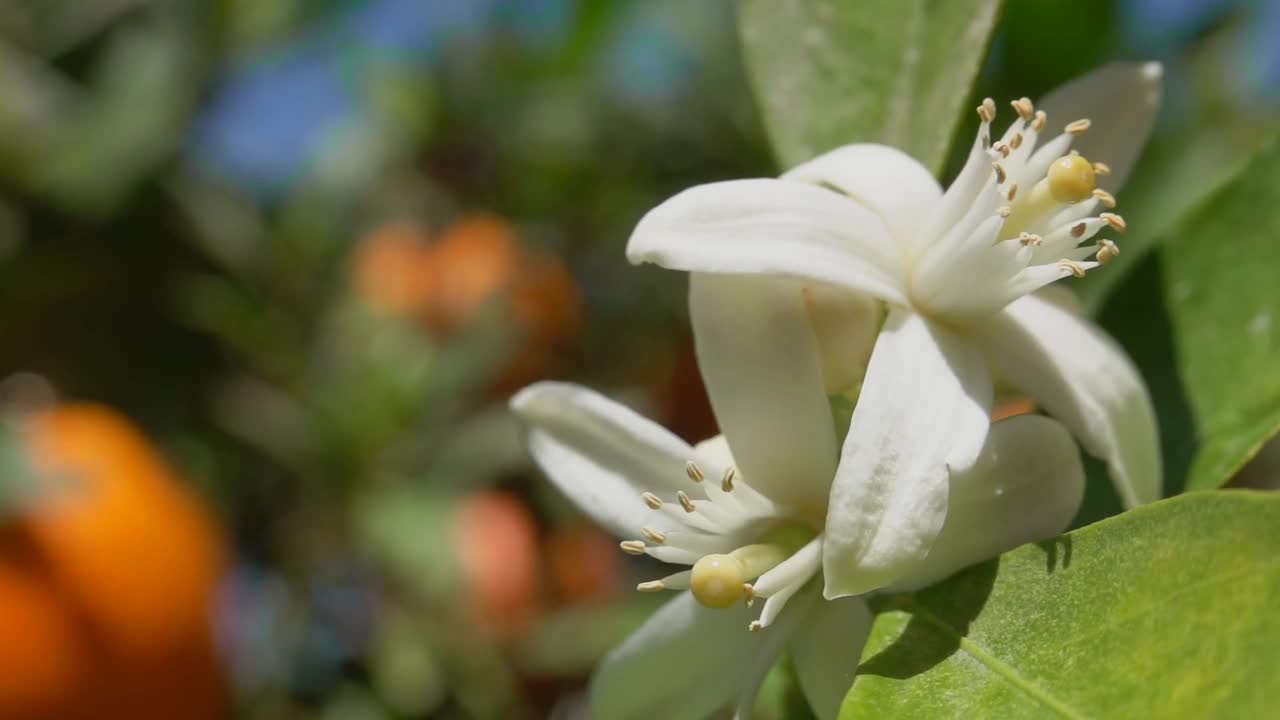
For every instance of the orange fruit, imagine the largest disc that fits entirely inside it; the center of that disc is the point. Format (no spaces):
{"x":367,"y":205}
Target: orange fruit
{"x":43,"y":663}
{"x":130,"y":559}
{"x":496,"y":541}
{"x":388,"y":268}
{"x":477,"y":261}
{"x":584,"y":563}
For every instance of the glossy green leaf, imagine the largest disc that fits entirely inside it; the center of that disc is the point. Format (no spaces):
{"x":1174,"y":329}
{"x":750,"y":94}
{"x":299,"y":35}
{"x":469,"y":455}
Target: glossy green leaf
{"x":898,"y":72}
{"x":1202,"y":320}
{"x":1181,"y":168}
{"x":1164,"y":611}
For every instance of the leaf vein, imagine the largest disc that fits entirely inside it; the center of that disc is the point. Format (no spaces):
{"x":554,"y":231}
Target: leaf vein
{"x":982,"y":655}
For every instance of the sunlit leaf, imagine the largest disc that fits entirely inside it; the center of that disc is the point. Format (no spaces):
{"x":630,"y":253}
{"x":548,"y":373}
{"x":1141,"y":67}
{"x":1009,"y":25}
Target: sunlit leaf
{"x":897,"y":72}
{"x":1164,"y":611}
{"x":1202,"y":320}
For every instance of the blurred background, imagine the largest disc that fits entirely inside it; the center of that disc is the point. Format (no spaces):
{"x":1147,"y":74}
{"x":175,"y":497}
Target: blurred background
{"x":269,"y":270}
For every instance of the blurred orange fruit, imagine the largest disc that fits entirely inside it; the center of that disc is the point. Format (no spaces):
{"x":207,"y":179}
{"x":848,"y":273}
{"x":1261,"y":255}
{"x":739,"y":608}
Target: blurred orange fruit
{"x":43,"y":665}
{"x":388,"y":268}
{"x":477,"y":261}
{"x":497,"y":551}
{"x":584,"y":563}
{"x":127,"y":562}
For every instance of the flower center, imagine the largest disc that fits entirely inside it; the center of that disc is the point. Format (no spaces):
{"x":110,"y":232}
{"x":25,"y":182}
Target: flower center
{"x":731,"y":535}
{"x":1069,"y":180}
{"x":1014,"y":219}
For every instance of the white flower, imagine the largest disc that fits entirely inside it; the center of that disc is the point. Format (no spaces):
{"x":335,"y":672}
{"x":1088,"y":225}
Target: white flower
{"x":956,"y":271}
{"x":748,"y":536}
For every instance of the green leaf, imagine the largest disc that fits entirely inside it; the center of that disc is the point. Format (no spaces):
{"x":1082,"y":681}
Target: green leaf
{"x":1180,"y":169}
{"x":1164,"y":611}
{"x":1202,"y":319}
{"x":897,"y":72}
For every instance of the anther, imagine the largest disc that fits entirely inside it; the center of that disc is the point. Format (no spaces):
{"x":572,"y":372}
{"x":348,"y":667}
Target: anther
{"x":632,"y":547}
{"x":1078,"y":127}
{"x":656,"y":537}
{"x":1113,"y":220}
{"x":1002,"y":148}
{"x":685,"y":502}
{"x":1030,"y":239}
{"x":1013,"y":191}
{"x":651,"y":586}
{"x":1102,"y":168}
{"x":1025,"y":108}
{"x":653,"y":501}
{"x":693,"y":471}
{"x":1000,"y":174}
{"x":1005,"y":211}
{"x":1079,"y":229}
{"x":1016,"y":141}
{"x":1072,"y":266}
{"x":1039,"y":122}
{"x":726,"y":482}
{"x":749,"y":592}
{"x":987,"y":110}
{"x":1103,"y":196}
{"x":1107,"y":251}
{"x":755,"y":626}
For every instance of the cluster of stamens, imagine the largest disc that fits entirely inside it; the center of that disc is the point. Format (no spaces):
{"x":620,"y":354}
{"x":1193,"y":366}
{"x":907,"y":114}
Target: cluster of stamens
{"x":1013,"y":220}
{"x":730,"y":535}
{"x":1068,"y":180}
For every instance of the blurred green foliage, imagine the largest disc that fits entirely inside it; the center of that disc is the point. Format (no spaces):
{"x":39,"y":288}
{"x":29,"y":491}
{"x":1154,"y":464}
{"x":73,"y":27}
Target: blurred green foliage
{"x":144,"y":268}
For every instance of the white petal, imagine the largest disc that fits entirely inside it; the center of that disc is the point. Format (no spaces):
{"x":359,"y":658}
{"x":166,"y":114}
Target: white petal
{"x":602,"y":455}
{"x":714,"y":451}
{"x":762,"y":368}
{"x":845,"y":324}
{"x":683,"y":663}
{"x":773,"y":641}
{"x":889,"y":182}
{"x":771,"y":227}
{"x":1085,"y":380}
{"x":924,"y":408}
{"x":826,"y":649}
{"x":1121,"y":100}
{"x":1026,"y":487}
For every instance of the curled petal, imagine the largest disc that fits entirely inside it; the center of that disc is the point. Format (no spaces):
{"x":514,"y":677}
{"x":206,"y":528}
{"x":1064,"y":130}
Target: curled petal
{"x":1085,"y":380}
{"x":1026,"y":486}
{"x":772,"y":227}
{"x":773,"y":641}
{"x":923,"y":409}
{"x":683,"y":663}
{"x":889,"y":182}
{"x":763,"y":371}
{"x":600,"y":454}
{"x":845,"y":325}
{"x":826,"y":649}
